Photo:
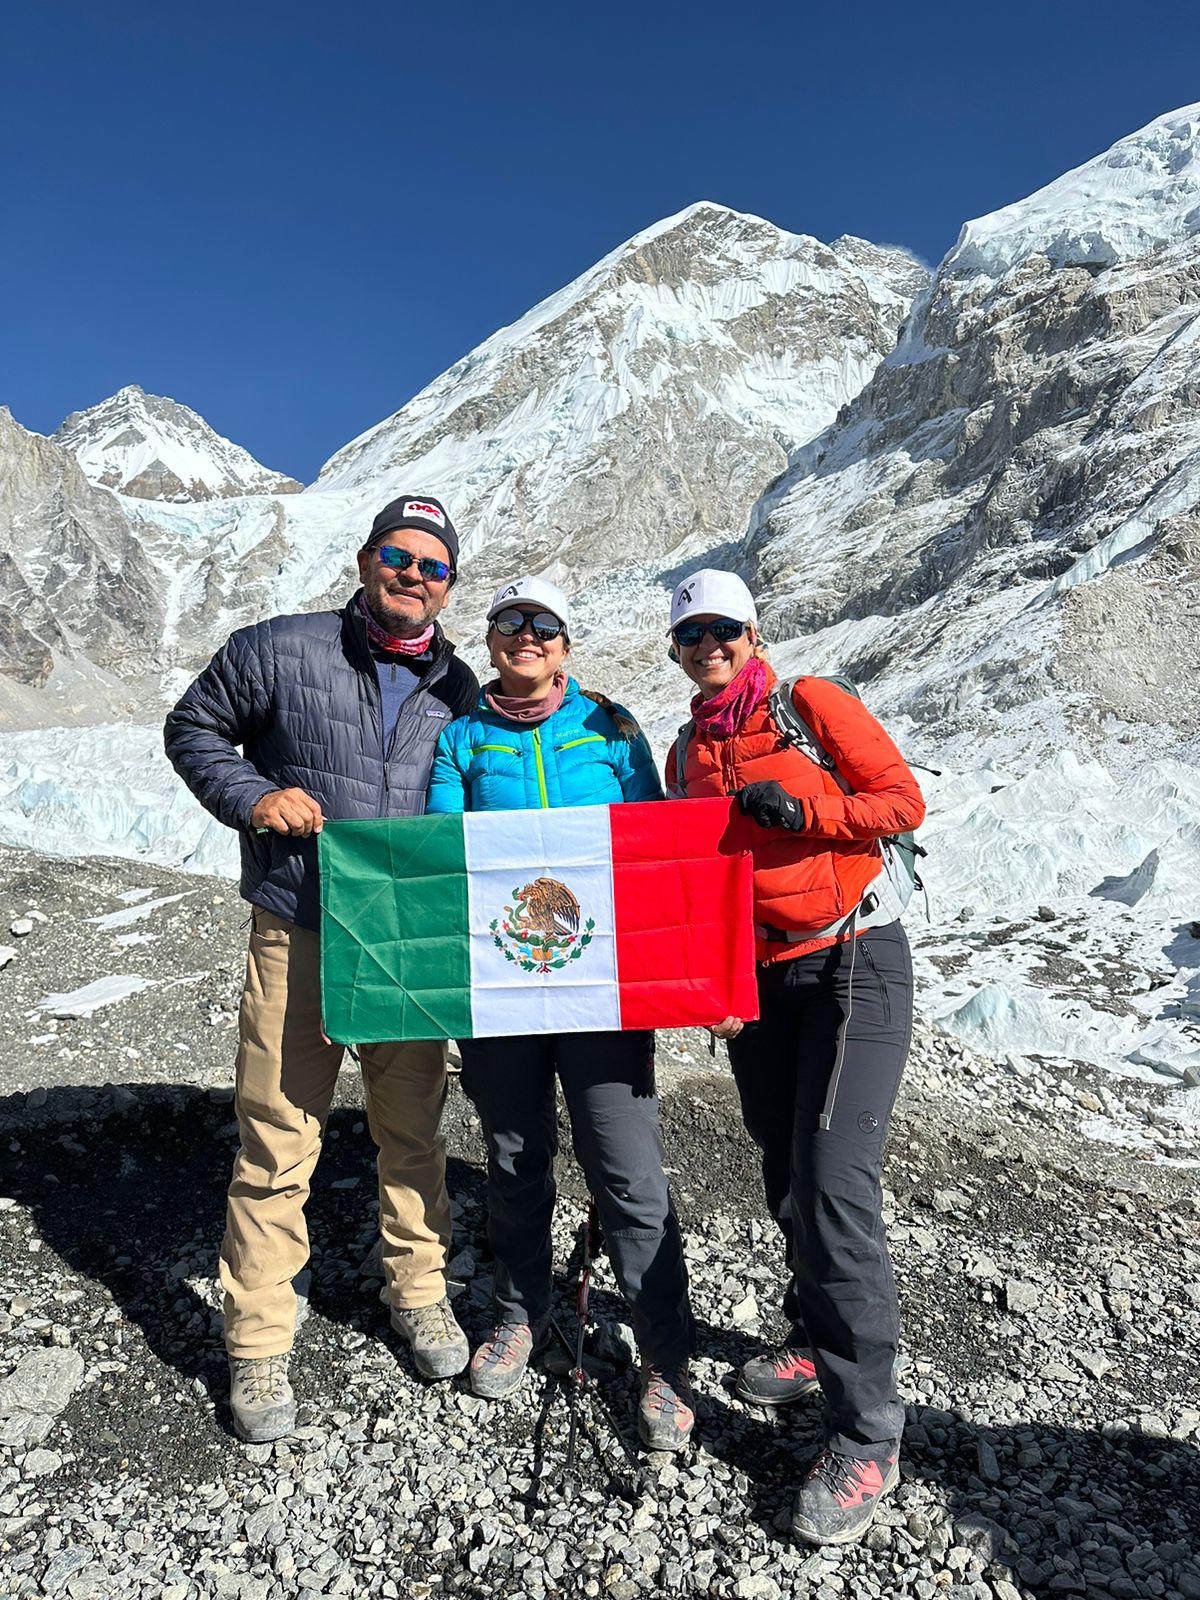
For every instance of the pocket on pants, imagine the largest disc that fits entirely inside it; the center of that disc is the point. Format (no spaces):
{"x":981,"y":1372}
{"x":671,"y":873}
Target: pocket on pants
{"x":267,"y":928}
{"x":868,"y":960}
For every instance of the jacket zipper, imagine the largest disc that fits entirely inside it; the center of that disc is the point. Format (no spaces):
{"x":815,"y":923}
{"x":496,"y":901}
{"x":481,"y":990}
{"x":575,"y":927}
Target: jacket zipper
{"x":387,"y":782}
{"x":588,"y":738}
{"x":541,"y":771}
{"x":391,"y":744}
{"x":358,"y":633}
{"x":375,"y":694}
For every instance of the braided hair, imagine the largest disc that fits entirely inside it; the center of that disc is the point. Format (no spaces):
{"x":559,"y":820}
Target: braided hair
{"x":625,"y":725}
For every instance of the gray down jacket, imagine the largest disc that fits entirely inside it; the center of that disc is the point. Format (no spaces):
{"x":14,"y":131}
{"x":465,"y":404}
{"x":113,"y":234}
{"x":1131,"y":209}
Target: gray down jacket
{"x":300,"y":695}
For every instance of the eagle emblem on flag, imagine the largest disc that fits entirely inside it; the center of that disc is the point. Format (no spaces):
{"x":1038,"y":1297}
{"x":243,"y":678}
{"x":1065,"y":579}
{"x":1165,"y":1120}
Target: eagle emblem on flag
{"x":540,"y":930}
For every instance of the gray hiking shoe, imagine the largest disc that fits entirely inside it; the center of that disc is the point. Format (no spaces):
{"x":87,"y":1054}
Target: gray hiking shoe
{"x":261,"y":1398}
{"x":498,"y":1365}
{"x":438,"y":1344}
{"x":779,"y":1376}
{"x":838,"y":1499}
{"x":665,"y":1408}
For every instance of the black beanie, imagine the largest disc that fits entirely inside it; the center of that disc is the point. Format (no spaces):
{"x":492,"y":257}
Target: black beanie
{"x":411,"y":511}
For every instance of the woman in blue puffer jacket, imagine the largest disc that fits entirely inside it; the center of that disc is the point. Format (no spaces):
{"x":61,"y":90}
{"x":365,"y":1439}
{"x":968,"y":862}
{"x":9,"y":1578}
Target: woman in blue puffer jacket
{"x":536,"y":740}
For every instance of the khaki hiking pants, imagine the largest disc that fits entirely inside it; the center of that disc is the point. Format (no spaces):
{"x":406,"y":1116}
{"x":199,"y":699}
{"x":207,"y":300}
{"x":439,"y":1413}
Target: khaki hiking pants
{"x":286,"y":1073}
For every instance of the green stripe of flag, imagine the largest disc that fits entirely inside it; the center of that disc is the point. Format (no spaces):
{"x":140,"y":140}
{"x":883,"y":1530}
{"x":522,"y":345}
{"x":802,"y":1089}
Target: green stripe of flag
{"x":395,"y":957}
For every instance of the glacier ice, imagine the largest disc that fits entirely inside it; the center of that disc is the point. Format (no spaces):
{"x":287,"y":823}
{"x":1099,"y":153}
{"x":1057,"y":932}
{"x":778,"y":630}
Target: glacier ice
{"x":1142,"y":194}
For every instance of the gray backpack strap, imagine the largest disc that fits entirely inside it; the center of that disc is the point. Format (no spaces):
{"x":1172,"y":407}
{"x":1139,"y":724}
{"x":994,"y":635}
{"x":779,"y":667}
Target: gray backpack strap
{"x":682,"y":740}
{"x":891,"y":891}
{"x":797,"y":732}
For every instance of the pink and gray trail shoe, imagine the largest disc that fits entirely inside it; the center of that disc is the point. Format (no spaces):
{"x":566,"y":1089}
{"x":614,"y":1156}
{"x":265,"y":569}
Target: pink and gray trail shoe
{"x":778,"y":1377}
{"x":499,"y":1363}
{"x":838,"y":1500}
{"x":666,"y":1408}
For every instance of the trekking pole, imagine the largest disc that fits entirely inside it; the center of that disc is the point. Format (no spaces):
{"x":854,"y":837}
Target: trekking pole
{"x":589,"y":1235}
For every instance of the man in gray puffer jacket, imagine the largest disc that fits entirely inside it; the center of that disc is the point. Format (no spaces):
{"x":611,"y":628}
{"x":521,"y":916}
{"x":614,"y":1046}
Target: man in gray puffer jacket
{"x":337,"y":714}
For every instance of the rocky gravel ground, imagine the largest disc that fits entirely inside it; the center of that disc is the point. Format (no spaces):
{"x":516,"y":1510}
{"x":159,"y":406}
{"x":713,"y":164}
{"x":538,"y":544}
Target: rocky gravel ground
{"x":1050,"y":1283}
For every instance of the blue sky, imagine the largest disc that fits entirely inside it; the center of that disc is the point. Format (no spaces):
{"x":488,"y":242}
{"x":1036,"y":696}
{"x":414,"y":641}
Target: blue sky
{"x":292,"y":216}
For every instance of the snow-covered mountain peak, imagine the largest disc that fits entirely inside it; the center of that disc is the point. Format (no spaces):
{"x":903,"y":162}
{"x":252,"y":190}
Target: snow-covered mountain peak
{"x":1140,"y":195}
{"x":156,"y":449}
{"x":725,"y":307}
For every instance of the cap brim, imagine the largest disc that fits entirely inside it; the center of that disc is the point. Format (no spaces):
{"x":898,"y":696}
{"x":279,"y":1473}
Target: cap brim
{"x":508,"y":605}
{"x":705,"y":611}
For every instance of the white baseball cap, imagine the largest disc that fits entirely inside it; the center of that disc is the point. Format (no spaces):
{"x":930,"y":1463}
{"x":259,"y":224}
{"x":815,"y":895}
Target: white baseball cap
{"x":530,"y":591}
{"x":712,"y":593}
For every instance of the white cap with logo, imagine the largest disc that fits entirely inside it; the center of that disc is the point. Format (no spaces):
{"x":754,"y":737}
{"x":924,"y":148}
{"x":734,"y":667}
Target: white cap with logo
{"x":712,"y":593}
{"x":529,"y":591}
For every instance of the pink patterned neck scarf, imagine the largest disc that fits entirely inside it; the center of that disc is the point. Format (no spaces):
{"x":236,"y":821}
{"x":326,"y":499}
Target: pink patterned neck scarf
{"x":382,"y":640}
{"x":522,"y":707}
{"x":723,"y":714}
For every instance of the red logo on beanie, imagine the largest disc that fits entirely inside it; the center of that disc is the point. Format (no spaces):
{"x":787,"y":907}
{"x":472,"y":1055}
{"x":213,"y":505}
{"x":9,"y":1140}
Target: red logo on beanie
{"x":422,"y":508}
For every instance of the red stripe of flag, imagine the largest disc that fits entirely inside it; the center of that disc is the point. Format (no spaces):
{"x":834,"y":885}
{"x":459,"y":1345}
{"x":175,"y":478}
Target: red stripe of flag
{"x":684,"y":912}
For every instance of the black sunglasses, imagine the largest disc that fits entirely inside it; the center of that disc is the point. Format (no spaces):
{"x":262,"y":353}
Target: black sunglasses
{"x":391,"y":555}
{"x":545,"y":624}
{"x":723,"y":630}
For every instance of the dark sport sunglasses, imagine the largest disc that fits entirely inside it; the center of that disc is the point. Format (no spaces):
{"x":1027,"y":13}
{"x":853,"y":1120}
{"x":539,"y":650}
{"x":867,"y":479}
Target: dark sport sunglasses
{"x":723,"y":630}
{"x":391,"y":555}
{"x":545,"y":624}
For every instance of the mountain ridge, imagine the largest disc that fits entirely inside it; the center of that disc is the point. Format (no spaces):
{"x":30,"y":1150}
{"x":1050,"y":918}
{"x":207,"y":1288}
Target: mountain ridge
{"x":154,"y":448}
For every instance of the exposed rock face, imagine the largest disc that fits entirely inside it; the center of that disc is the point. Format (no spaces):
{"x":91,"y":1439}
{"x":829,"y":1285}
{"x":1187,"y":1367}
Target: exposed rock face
{"x":1006,"y":513}
{"x":23,"y":655}
{"x":75,"y":580}
{"x":646,"y":404}
{"x":155,"y":449}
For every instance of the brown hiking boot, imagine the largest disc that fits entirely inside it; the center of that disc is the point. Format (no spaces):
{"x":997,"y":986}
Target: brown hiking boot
{"x":261,"y":1398}
{"x":438,"y":1344}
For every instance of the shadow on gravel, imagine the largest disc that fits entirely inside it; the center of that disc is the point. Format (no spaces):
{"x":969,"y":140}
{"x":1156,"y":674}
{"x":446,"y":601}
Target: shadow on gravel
{"x":127,"y":1186}
{"x":1039,"y":1499}
{"x":1054,"y":1509}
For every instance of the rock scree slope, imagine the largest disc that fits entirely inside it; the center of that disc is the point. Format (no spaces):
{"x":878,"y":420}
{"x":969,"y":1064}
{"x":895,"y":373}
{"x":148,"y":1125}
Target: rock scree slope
{"x":1051,"y":1290}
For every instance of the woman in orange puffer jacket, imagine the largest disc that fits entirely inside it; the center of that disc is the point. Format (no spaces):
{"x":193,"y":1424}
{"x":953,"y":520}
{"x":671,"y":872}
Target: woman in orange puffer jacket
{"x":818,"y":1072}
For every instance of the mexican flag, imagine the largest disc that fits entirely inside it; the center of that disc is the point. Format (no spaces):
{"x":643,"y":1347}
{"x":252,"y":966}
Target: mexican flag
{"x":471,"y":925}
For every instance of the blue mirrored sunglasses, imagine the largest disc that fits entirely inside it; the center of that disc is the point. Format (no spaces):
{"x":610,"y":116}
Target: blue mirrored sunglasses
{"x":723,"y":630}
{"x":391,"y":555}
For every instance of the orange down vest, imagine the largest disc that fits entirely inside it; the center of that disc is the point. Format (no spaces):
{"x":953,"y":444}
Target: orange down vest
{"x":810,"y":879}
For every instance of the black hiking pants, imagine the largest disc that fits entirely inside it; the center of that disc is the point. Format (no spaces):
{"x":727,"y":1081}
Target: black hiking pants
{"x":823,"y":1182}
{"x":608,"y":1086}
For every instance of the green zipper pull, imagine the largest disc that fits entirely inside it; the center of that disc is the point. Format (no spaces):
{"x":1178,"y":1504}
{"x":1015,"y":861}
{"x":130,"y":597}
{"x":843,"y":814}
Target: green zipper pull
{"x":541,"y":771}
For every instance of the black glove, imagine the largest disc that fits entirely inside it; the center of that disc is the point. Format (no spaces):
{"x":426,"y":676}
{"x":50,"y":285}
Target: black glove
{"x":772,"y":806}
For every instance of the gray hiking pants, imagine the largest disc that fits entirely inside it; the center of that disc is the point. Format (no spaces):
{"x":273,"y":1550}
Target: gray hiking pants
{"x":608,"y":1085}
{"x":823,"y":1183}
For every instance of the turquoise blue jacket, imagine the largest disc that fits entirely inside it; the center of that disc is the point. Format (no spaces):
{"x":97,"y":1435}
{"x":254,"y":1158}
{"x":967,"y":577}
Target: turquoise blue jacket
{"x":484,"y":762}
